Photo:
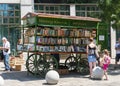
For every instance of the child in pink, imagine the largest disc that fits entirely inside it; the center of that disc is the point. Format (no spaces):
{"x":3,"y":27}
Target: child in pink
{"x":105,"y":62}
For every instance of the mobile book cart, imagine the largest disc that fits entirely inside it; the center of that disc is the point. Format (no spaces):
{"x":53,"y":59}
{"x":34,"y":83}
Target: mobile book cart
{"x":50,"y":35}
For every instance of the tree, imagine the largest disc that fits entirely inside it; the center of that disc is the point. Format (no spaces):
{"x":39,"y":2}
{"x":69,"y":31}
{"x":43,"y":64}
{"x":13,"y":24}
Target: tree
{"x":110,"y":11}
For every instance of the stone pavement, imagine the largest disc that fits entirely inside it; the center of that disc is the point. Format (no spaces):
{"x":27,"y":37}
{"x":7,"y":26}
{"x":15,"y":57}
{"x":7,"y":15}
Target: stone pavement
{"x":21,"y":78}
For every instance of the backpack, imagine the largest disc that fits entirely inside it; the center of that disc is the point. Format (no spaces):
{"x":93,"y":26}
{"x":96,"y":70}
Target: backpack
{"x":107,"y":60}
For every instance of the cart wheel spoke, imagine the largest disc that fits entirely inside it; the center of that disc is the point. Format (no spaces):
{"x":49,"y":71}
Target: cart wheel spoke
{"x":46,"y":63}
{"x":71,"y":63}
{"x":31,"y":63}
{"x":83,"y":66}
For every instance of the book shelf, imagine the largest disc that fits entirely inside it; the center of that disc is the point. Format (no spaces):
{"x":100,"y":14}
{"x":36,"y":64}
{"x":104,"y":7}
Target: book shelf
{"x":52,"y":39}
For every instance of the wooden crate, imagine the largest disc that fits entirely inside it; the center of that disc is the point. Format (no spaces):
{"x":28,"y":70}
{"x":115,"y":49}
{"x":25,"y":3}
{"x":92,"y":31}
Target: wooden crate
{"x":63,"y":71}
{"x":18,"y":67}
{"x":17,"y":61}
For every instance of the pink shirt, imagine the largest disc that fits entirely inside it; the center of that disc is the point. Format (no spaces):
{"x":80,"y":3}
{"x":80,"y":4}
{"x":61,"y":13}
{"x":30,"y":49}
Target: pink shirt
{"x":106,"y":62}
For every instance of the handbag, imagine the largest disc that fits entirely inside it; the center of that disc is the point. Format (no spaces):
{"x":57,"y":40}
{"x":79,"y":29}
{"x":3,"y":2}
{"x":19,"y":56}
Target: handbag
{"x":6,"y":50}
{"x":1,"y":55}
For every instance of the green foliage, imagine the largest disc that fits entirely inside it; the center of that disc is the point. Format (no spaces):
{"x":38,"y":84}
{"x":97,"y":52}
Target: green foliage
{"x":110,"y":11}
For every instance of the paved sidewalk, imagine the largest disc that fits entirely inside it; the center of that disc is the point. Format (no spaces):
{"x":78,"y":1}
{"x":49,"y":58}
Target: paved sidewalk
{"x":21,"y":78}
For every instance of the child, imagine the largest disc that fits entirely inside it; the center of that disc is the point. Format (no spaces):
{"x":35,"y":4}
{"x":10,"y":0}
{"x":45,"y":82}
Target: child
{"x":105,"y":62}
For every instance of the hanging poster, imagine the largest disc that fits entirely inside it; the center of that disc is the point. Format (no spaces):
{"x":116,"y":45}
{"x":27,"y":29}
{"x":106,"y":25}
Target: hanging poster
{"x":101,"y":38}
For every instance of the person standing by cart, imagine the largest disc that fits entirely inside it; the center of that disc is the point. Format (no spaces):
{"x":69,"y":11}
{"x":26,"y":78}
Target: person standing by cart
{"x":117,"y":48}
{"x":91,"y":55}
{"x":6,"y":52}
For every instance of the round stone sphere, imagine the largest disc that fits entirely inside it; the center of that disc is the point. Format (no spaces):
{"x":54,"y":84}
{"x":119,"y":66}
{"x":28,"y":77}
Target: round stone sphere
{"x":97,"y":73}
{"x":1,"y":81}
{"x":52,"y":77}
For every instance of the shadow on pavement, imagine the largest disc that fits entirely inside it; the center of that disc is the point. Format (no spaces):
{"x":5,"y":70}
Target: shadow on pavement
{"x":114,"y":70}
{"x":20,"y":75}
{"x":74,"y":74}
{"x":24,"y":76}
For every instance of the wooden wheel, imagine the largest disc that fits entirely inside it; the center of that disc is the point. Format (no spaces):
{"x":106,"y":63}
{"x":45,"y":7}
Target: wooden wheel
{"x":32,"y":63}
{"x":83,"y":66}
{"x":46,"y":63}
{"x":71,"y":63}
{"x":40,"y":64}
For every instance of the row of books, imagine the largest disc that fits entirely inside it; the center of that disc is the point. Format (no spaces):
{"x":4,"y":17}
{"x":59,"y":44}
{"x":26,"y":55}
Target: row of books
{"x":61,"y":48}
{"x":31,"y":47}
{"x":64,"y":32}
{"x":42,"y":40}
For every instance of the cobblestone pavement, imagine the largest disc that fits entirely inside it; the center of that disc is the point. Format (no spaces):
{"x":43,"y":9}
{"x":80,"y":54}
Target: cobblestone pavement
{"x":21,"y":78}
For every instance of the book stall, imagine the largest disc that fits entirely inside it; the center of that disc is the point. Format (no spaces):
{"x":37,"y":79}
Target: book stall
{"x":57,"y":42}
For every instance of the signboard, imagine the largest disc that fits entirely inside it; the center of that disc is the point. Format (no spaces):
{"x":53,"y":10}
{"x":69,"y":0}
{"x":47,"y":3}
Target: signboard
{"x":101,"y":38}
{"x":66,"y":22}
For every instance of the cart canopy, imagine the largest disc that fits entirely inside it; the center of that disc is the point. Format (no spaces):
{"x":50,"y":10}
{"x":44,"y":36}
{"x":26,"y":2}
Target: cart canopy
{"x":43,"y":19}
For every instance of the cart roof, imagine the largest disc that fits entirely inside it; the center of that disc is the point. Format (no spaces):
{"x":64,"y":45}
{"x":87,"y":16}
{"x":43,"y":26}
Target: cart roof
{"x":30,"y":14}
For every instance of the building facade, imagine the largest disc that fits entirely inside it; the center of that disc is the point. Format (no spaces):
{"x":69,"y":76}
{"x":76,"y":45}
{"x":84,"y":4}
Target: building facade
{"x":11,"y":12}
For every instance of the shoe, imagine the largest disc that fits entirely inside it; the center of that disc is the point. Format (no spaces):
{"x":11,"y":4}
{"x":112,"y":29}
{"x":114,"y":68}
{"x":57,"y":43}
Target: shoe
{"x":105,"y":79}
{"x":90,"y":77}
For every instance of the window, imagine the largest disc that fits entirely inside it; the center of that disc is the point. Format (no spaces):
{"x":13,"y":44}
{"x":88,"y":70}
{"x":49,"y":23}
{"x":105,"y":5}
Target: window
{"x":41,"y":7}
{"x":5,"y":13}
{"x":80,"y":13}
{"x":11,"y":13}
{"x":17,"y":7}
{"x":88,"y":11}
{"x":17,"y":20}
{"x":52,"y":9}
{"x":1,"y":20}
{"x":11,"y":20}
{"x":17,"y":13}
{"x":10,"y":7}
{"x":5,"y":20}
{"x":1,"y":13}
{"x":36,"y":7}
